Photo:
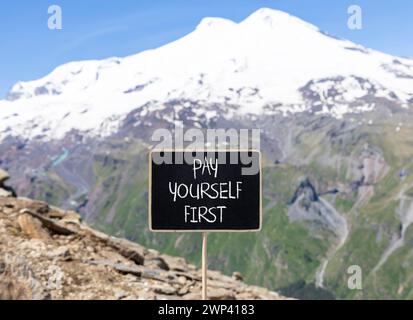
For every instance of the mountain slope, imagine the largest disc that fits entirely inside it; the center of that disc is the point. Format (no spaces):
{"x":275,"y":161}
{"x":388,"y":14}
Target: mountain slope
{"x":48,"y":253}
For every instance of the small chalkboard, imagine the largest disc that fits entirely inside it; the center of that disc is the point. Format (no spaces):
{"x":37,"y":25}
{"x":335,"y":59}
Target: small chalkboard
{"x":205,"y":191}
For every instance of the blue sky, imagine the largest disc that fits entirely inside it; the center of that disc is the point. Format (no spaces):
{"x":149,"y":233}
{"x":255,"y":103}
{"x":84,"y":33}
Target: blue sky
{"x":95,"y":29}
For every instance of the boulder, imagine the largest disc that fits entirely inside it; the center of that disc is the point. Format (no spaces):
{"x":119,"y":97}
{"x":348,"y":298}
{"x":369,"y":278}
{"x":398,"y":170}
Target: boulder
{"x":4,"y":176}
{"x":156,"y":262}
{"x":237,"y":276}
{"x":62,"y":253}
{"x":72,"y":216}
{"x":32,"y":227}
{"x":53,"y":225}
{"x":220,"y":294}
{"x":5,"y":193}
{"x":126,"y":248}
{"x":121,"y":268}
{"x":164,"y":289}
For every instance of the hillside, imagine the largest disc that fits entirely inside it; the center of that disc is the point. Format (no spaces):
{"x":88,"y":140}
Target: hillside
{"x":49,"y":253}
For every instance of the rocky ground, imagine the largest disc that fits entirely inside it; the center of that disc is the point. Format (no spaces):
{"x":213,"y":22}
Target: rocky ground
{"x":49,"y":253}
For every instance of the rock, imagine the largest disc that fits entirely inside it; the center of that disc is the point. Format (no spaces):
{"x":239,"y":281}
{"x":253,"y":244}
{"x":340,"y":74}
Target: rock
{"x":191,"y":267}
{"x":309,"y":192}
{"x":119,"y":294}
{"x":56,"y":213}
{"x":183,"y":291}
{"x":4,"y":176}
{"x":112,"y":256}
{"x":167,"y":297}
{"x":214,"y":283}
{"x":19,"y":282}
{"x":187,"y":275}
{"x":32,"y":227}
{"x":5,"y":193}
{"x":175,"y":263}
{"x":55,"y":277}
{"x":182,"y":280}
{"x":34,"y":248}
{"x":72,"y":216}
{"x":39,"y":207}
{"x":157,"y":262}
{"x":192,"y":296}
{"x":123,"y":269}
{"x":8,"y":204}
{"x":245,"y":296}
{"x":220,"y":294}
{"x":237,"y":276}
{"x":50,"y":224}
{"x":60,"y":253}
{"x":164,"y":289}
{"x":9,"y":190}
{"x":53,"y":254}
{"x":127,"y":249}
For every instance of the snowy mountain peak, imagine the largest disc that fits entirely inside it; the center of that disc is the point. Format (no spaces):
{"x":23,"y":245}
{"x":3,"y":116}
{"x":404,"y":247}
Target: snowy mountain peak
{"x":276,"y":19}
{"x":269,"y":62}
{"x":268,"y":14}
{"x":212,"y":22}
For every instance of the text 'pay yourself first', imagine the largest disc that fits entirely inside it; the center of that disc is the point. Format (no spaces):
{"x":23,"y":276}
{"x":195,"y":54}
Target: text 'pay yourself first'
{"x":205,"y":190}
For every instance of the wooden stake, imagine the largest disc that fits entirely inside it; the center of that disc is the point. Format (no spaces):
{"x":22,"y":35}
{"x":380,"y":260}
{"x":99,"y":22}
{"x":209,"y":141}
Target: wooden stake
{"x":204,"y":265}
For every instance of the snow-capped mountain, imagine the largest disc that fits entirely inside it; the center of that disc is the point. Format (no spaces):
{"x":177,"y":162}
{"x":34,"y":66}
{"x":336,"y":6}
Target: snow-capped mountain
{"x":336,"y":121}
{"x":270,"y":62}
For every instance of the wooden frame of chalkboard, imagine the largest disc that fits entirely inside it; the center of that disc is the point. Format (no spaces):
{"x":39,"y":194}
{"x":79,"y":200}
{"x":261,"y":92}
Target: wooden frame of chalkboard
{"x":257,"y":229}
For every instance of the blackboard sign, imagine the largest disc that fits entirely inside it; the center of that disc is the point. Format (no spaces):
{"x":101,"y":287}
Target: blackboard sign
{"x":205,"y":191}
